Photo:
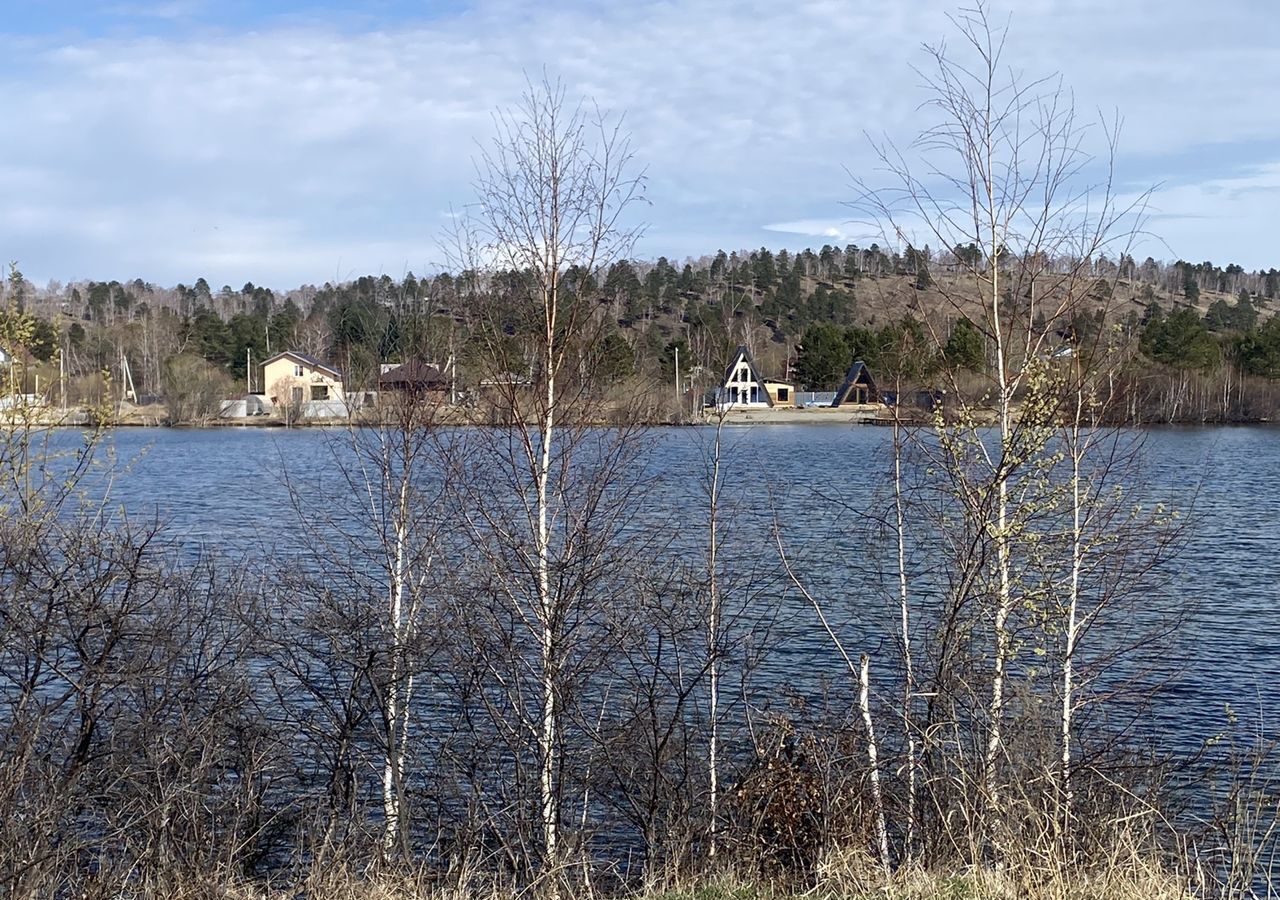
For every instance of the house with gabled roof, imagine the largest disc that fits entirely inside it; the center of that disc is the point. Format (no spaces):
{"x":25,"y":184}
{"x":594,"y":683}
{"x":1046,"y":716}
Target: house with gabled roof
{"x":744,"y":388}
{"x":303,"y":384}
{"x":414,"y":379}
{"x":858,"y":387}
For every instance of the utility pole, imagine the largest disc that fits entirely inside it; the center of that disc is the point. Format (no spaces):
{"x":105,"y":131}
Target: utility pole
{"x":248,"y":370}
{"x":452,"y":373}
{"x":677,"y":374}
{"x":127,"y":390}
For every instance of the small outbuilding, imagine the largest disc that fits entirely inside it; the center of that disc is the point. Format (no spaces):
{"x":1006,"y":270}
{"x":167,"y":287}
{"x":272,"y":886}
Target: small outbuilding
{"x":245,"y":406}
{"x":858,"y":387}
{"x":782,"y":393}
{"x":814,"y":399}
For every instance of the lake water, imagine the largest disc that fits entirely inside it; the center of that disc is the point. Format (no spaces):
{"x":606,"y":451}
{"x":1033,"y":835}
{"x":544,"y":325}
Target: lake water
{"x":223,"y":489}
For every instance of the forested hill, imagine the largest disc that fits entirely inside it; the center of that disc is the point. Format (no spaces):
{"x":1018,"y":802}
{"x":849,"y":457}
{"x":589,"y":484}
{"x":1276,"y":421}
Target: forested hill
{"x":1194,"y":318}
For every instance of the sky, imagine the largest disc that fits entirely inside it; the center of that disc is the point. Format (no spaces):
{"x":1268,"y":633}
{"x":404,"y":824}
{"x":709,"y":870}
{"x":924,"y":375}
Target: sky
{"x":293,"y":143}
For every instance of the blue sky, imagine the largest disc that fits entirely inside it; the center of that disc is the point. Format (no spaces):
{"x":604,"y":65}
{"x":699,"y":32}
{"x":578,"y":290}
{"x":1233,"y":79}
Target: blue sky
{"x":300,"y":142}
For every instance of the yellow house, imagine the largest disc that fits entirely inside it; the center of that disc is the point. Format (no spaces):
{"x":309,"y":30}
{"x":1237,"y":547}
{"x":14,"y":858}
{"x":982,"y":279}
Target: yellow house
{"x":295,"y":378}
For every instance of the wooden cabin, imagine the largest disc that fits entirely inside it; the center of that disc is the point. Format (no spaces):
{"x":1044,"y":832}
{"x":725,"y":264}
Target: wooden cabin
{"x":858,"y":387}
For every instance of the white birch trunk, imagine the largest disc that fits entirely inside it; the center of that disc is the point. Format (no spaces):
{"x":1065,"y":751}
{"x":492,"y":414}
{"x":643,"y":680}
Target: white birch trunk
{"x":877,"y":796}
{"x":396,"y":699}
{"x":547,"y":736}
{"x":548,"y":612}
{"x":1073,"y":602}
{"x":713,"y":652}
{"x":908,"y":688}
{"x":1004,"y":600}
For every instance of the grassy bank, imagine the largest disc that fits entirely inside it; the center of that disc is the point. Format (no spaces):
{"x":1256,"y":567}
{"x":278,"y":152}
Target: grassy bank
{"x":1129,"y":878}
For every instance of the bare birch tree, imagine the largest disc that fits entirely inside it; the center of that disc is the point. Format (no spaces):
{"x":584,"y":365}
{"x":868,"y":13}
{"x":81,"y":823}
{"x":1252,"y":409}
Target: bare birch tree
{"x":1006,"y":170}
{"x":1111,"y":542}
{"x":905,"y":636}
{"x":370,"y":572}
{"x":715,"y":619}
{"x":552,"y":189}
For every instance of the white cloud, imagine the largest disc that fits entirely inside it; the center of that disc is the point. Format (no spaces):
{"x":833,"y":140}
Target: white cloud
{"x":290,"y":153}
{"x":831,"y":231}
{"x":1225,"y":219}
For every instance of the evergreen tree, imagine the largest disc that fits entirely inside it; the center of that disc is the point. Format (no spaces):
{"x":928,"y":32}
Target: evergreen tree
{"x":719,"y":266}
{"x":1181,"y":340}
{"x":966,"y":347}
{"x":851,"y":267}
{"x":1190,"y":286}
{"x":1259,"y":350}
{"x":823,"y":358}
{"x":763,"y":270}
{"x":617,"y":359}
{"x":783,"y":264}
{"x":1245,"y":312}
{"x":622,"y":285}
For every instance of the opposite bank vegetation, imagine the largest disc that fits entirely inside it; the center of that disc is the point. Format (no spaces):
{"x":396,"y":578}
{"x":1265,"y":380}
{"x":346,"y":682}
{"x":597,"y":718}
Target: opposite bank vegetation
{"x":1175,"y":357}
{"x":1186,"y":343}
{"x":479,"y":663}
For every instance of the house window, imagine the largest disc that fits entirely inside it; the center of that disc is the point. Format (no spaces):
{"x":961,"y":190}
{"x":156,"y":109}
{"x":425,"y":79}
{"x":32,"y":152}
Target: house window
{"x":319,"y":392}
{"x":783,"y":395}
{"x":297,"y":371}
{"x":296,"y":393}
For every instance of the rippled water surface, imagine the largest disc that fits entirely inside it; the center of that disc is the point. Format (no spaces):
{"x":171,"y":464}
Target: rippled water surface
{"x":225,"y":489}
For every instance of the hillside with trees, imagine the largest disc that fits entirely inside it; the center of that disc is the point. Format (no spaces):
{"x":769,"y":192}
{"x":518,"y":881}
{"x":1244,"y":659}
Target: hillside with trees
{"x":1202,"y":339}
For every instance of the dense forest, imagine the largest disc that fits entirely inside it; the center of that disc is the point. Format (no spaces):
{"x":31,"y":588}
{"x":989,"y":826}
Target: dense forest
{"x":1203,"y":340}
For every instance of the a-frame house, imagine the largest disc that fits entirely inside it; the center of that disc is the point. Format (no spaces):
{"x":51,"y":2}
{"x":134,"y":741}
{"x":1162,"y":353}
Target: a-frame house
{"x":742,"y":386}
{"x":858,"y":387}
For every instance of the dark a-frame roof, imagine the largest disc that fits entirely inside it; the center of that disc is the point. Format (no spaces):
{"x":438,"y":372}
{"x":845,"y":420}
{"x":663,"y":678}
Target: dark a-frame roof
{"x":744,"y":354}
{"x":858,"y":374}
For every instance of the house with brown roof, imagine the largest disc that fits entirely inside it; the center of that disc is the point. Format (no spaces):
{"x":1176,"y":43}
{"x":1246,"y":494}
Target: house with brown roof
{"x":413,"y":379}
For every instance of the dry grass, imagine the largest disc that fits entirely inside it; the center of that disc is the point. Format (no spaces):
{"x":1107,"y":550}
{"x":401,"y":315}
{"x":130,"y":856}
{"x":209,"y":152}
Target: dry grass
{"x":1140,"y":883}
{"x":1127,"y":875}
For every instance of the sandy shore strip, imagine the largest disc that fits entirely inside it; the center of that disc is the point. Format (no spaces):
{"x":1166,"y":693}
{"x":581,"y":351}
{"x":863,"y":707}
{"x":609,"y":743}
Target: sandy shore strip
{"x":817,"y":415}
